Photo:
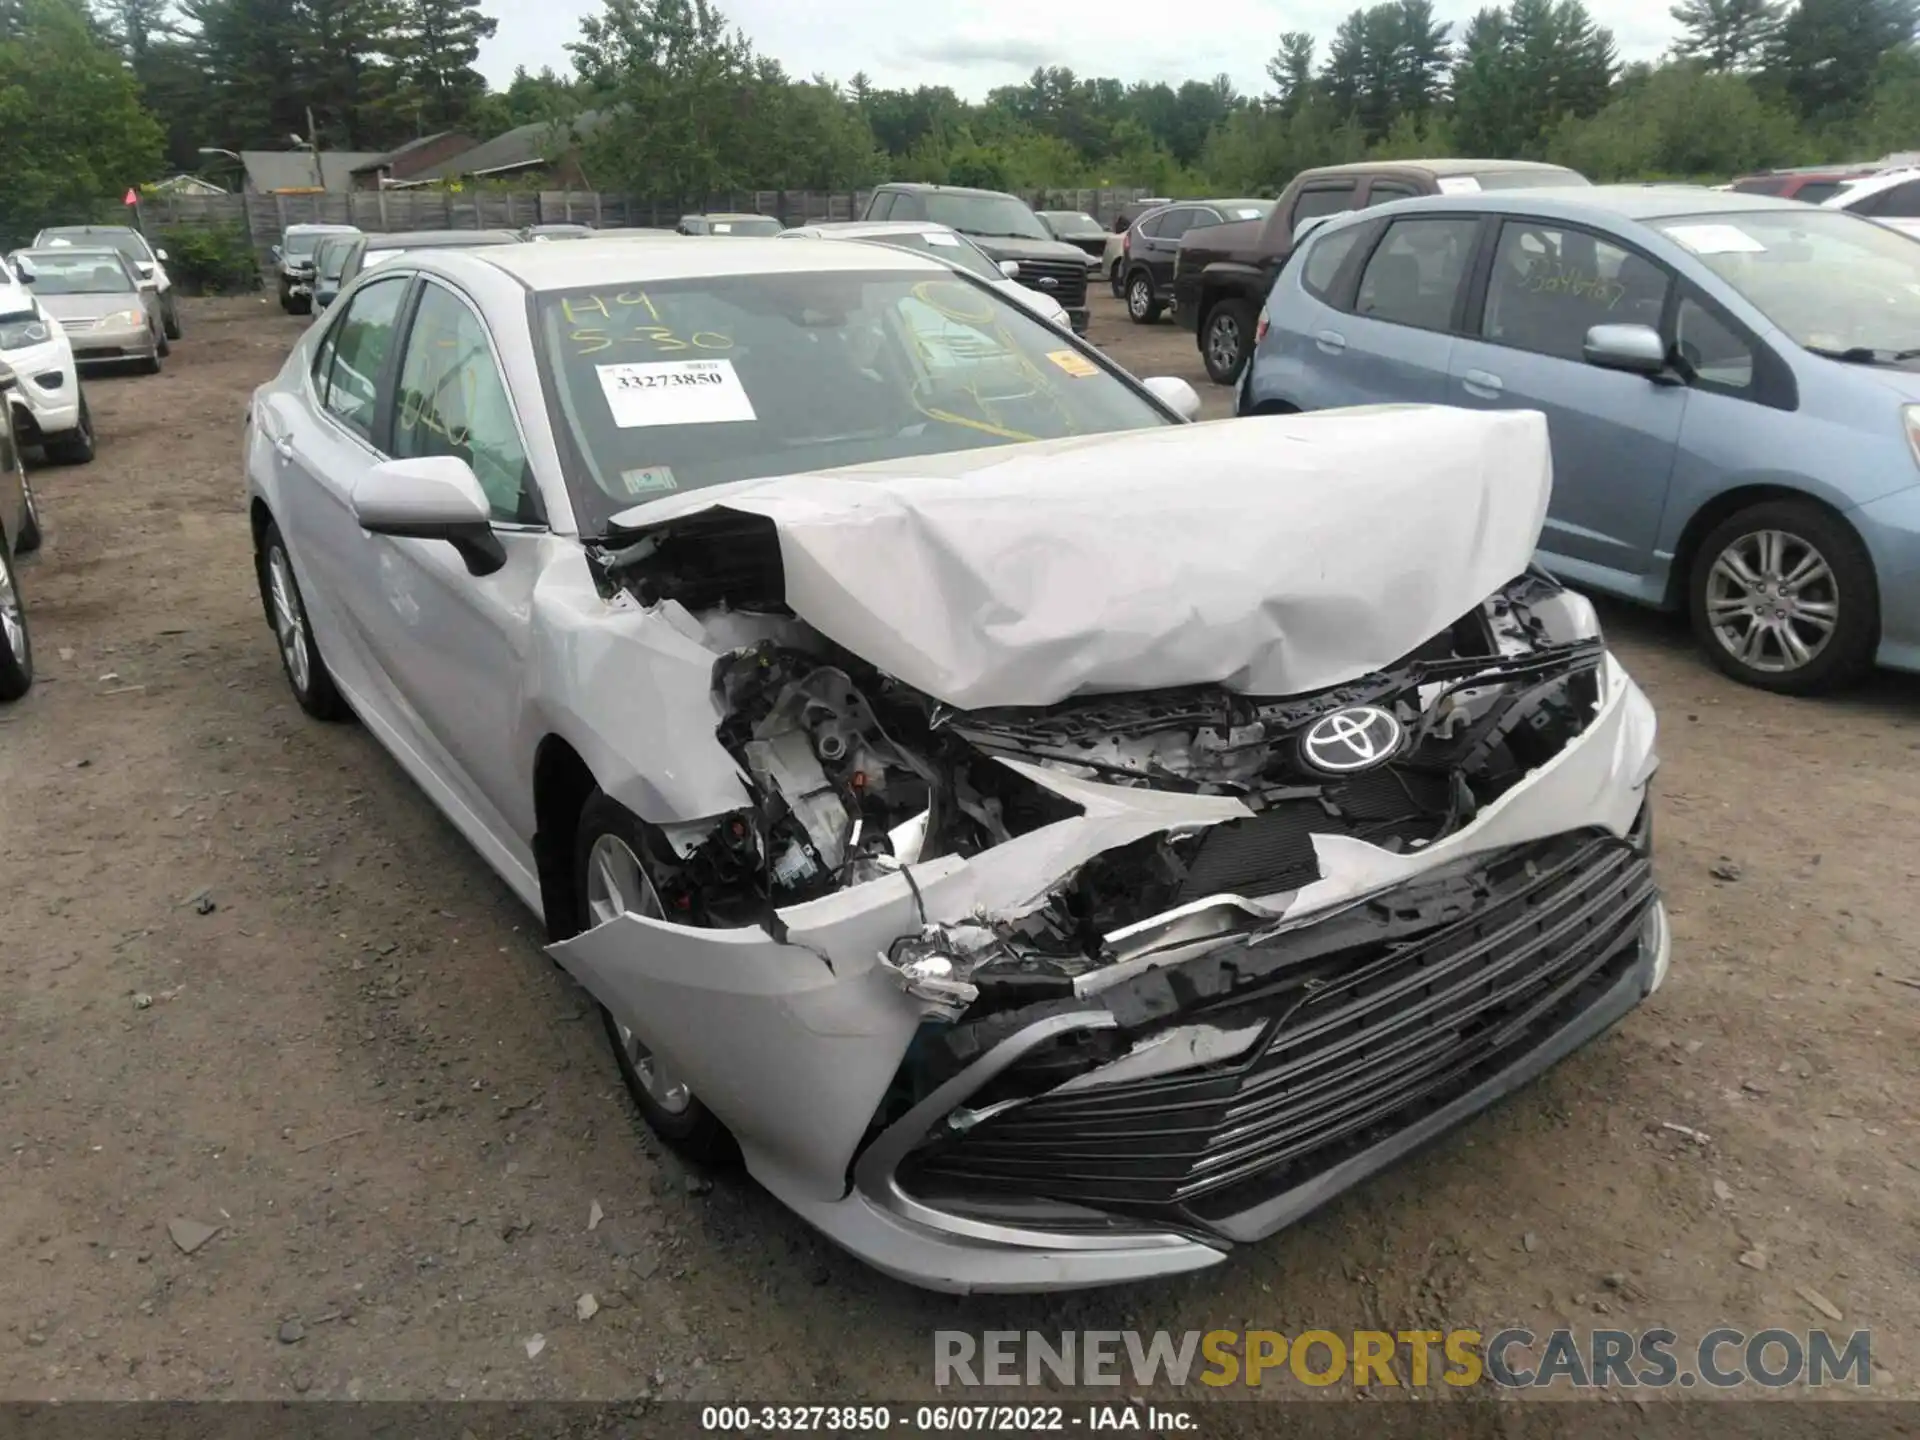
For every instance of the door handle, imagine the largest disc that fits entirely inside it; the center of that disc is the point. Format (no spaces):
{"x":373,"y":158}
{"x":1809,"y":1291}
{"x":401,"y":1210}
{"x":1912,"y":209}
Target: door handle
{"x":1484,"y":383}
{"x":1331,"y":341}
{"x":283,"y":446}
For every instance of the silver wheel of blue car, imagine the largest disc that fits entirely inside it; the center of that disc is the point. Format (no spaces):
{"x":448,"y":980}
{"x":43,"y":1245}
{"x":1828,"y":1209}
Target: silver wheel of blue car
{"x":616,"y":886}
{"x":1783,"y":596}
{"x":1773,"y":601}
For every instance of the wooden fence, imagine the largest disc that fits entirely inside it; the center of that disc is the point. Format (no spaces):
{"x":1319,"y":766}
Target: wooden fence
{"x":266,"y":217}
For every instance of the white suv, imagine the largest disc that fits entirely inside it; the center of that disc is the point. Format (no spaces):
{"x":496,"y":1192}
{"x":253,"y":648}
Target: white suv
{"x":50,"y":409}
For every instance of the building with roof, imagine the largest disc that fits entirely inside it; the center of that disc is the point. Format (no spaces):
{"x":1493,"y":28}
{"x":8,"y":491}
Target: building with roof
{"x":405,"y":162}
{"x":291,"y":172}
{"x":547,"y":151}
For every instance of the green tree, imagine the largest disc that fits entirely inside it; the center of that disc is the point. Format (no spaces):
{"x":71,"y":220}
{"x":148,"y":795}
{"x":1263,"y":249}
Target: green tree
{"x":1825,"y":52}
{"x":1726,"y":34}
{"x":436,"y":44}
{"x":72,"y":131}
{"x":1291,"y":70}
{"x":1684,"y":122}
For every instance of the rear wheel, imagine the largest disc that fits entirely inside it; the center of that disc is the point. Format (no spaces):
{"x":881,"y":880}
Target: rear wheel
{"x":1118,"y":280}
{"x":16,"y":646}
{"x":30,"y":522}
{"x":1143,"y":306}
{"x":75,"y":447}
{"x":1783,"y":597}
{"x":170,"y":316}
{"x":610,"y":881}
{"x":1224,"y":338}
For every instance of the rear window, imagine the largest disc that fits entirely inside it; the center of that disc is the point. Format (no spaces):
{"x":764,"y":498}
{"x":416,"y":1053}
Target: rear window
{"x":1767,"y":185}
{"x":1525,"y":179}
{"x":1325,"y":255}
{"x":1814,"y":191}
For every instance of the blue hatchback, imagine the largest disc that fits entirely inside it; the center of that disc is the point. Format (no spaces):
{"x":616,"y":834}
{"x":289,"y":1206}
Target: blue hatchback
{"x":1731,"y":383}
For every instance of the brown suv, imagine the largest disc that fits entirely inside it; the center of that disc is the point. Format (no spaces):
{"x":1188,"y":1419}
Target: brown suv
{"x":1222,"y":273}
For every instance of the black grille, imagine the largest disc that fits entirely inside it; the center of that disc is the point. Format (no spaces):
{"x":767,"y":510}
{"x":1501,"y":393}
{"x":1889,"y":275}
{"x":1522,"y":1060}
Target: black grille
{"x":1069,"y":280}
{"x":1365,"y":1037}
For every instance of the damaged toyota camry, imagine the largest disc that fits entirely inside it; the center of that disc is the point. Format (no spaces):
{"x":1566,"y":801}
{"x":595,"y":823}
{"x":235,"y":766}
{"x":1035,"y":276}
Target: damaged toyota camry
{"x":1054,"y":842}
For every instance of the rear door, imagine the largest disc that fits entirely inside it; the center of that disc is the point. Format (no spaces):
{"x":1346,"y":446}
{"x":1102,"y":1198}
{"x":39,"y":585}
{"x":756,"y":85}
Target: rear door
{"x":1156,"y":242}
{"x":1613,"y":434}
{"x":1396,"y":343}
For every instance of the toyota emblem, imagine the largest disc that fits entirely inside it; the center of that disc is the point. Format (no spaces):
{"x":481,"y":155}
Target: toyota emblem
{"x":1047,"y":282}
{"x":1357,"y":738}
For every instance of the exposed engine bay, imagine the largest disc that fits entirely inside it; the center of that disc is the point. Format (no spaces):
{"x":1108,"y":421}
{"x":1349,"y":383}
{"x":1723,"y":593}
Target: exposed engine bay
{"x":854,"y":775}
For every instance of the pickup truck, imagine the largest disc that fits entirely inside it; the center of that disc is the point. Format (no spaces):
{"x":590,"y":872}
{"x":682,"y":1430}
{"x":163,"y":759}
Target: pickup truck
{"x":1222,"y":273}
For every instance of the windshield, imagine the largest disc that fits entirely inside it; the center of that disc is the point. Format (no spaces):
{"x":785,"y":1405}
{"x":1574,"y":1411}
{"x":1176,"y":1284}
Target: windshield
{"x":753,"y":225}
{"x":1832,"y":281}
{"x":691,"y":383}
{"x":79,"y":272}
{"x":1073,"y":222}
{"x":954,"y":249}
{"x":998,"y":216}
{"x":126,"y":242}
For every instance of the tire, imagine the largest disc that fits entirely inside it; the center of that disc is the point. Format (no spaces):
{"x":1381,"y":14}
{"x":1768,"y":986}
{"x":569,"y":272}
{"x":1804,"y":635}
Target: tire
{"x":16,"y":645}
{"x":300,"y":656}
{"x":161,"y":345}
{"x":1768,"y":542}
{"x":1143,"y":305}
{"x":608,"y":878}
{"x":30,"y":526}
{"x":75,"y":447}
{"x":170,"y":317}
{"x":152,"y":364}
{"x":1226,"y":336}
{"x":1118,"y":281}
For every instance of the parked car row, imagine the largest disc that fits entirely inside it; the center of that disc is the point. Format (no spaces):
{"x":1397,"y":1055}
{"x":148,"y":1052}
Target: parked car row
{"x":956,"y":778}
{"x":1731,"y":383}
{"x":80,"y":296}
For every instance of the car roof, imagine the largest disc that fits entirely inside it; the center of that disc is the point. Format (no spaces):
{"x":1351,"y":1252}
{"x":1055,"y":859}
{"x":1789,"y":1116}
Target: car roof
{"x":309,"y":227}
{"x":89,"y":230}
{"x":857,"y":229}
{"x":1860,"y":187}
{"x":416,"y":239}
{"x":65,"y":251}
{"x":727,"y":215}
{"x":1619,"y":202}
{"x":544,"y":268}
{"x":1450,"y":166}
{"x":924,"y":188}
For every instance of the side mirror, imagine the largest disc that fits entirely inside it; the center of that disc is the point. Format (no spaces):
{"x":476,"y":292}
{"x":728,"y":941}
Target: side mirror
{"x":161,"y":256}
{"x":23,"y":267}
{"x":1636,"y":349}
{"x":430,"y":497}
{"x":1176,"y":394}
{"x":145,"y":267}
{"x":1010,"y":269}
{"x":275,"y":254}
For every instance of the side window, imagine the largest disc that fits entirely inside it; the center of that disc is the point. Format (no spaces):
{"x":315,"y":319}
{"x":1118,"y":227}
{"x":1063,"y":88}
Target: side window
{"x":882,"y":203}
{"x":1154,"y":222}
{"x":1325,"y":256}
{"x":452,"y":401}
{"x":1414,"y":275}
{"x":1902,"y":202}
{"x":1814,"y":191}
{"x":1717,"y":354}
{"x":1385,"y":192}
{"x":1175,"y":223}
{"x":1322,"y":200}
{"x":906,"y":206}
{"x":359,"y":345}
{"x":1203,"y":218}
{"x":1550,"y":285}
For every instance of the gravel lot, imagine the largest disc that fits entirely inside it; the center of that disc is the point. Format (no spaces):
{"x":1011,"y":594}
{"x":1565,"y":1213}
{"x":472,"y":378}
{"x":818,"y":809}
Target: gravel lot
{"x":255,"y":981}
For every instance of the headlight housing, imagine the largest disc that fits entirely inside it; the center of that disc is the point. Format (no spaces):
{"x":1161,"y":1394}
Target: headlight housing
{"x":19,"y":331}
{"x":126,"y":317}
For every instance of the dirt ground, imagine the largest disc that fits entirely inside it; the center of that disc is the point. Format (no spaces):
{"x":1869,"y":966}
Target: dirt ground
{"x":254,"y":981}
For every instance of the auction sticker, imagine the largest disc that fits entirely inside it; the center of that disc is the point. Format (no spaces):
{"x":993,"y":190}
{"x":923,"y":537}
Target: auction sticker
{"x":675,"y":392}
{"x":1073,"y":362}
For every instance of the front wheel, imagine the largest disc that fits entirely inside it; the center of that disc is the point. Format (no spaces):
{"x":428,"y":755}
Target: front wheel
{"x":1117,"y":280}
{"x":306,"y":672}
{"x":1143,"y":306}
{"x":75,"y":446}
{"x":16,"y":646}
{"x":170,"y":317}
{"x":610,"y":881}
{"x":1783,"y":597}
{"x":1225,"y":336}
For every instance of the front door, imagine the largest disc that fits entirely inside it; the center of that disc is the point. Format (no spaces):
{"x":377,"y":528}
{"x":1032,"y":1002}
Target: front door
{"x":1613,"y":434}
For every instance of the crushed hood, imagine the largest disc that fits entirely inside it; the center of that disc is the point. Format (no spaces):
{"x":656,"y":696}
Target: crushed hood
{"x":1274,"y":556}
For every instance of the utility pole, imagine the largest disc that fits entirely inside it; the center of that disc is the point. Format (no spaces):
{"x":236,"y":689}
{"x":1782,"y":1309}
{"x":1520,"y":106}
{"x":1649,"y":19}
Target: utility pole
{"x":313,"y":147}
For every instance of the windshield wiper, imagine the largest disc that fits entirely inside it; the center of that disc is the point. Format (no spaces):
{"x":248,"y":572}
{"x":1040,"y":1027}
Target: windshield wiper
{"x":1865,"y":355}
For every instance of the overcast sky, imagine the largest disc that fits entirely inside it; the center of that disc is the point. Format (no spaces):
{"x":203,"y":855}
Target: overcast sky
{"x":974,"y":45}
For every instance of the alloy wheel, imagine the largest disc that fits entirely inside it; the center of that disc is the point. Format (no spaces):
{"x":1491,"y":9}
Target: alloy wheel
{"x":1223,"y":342}
{"x":1139,"y":297}
{"x":13,"y":622}
{"x":289,"y":620}
{"x":1772,"y":601}
{"x":617,"y":885}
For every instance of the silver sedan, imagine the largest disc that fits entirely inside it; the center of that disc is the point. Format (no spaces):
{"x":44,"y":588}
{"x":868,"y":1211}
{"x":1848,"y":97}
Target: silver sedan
{"x":956,"y":777}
